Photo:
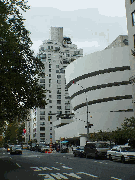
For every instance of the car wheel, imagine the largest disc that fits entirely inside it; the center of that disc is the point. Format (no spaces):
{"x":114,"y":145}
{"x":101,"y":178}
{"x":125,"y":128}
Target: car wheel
{"x":110,"y":157}
{"x":122,"y":159}
{"x":87,"y":156}
{"x":74,"y":155}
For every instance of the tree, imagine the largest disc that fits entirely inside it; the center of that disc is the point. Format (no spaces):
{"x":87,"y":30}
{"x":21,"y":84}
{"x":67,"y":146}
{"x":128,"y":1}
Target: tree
{"x":19,"y":69}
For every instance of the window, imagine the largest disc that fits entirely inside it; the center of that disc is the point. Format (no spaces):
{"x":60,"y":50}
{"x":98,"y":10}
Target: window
{"x":49,"y":55}
{"x":58,"y":76}
{"x":42,"y":134}
{"x":58,"y":86}
{"x":42,"y":112}
{"x":50,"y":101}
{"x":49,"y":75}
{"x":57,"y":71}
{"x":42,"y":85}
{"x":57,"y":66}
{"x":42,"y":80}
{"x":50,"y":106}
{"x":58,"y":96}
{"x":50,"y":96}
{"x":59,"y":81}
{"x":42,"y":128}
{"x":42,"y":123}
{"x":50,"y":122}
{"x":48,"y":47}
{"x":42,"y":117}
{"x":49,"y":60}
{"x":59,"y":91}
{"x":49,"y":80}
{"x":42,"y":140}
{"x":42,"y":48}
{"x":67,"y":107}
{"x":49,"y":65}
{"x":49,"y":85}
{"x":50,"y":128}
{"x":58,"y":101}
{"x":67,"y":55}
{"x":50,"y":133}
{"x":133,"y":18}
{"x":58,"y":107}
{"x":49,"y":70}
{"x":67,"y":112}
{"x":62,"y":71}
{"x":51,"y":47}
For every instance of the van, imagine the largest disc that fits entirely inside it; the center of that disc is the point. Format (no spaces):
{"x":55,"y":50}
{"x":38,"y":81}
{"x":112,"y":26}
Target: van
{"x":96,"y":149}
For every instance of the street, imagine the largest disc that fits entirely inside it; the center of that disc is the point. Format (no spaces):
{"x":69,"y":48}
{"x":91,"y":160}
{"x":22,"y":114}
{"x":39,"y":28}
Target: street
{"x":40,"y":166}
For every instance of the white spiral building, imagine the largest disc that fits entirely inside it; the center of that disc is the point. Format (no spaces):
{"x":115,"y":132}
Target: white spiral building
{"x":102,"y":77}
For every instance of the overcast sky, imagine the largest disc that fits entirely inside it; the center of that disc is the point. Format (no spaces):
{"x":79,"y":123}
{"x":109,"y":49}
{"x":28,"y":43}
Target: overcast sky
{"x":91,"y":25}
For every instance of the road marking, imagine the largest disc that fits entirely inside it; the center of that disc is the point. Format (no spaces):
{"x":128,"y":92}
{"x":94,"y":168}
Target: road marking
{"x":100,"y":162}
{"x":65,"y":167}
{"x":36,"y":168}
{"x":59,"y":176}
{"x":73,"y":175}
{"x":47,"y":176}
{"x":87,"y":174}
{"x":57,"y":162}
{"x":18,"y":165}
{"x":45,"y":168}
{"x":3,"y":153}
{"x":116,"y":178}
{"x":55,"y":168}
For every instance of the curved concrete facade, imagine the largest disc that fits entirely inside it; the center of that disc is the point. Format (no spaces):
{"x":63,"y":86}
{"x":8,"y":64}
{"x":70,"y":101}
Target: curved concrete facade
{"x":102,"y":77}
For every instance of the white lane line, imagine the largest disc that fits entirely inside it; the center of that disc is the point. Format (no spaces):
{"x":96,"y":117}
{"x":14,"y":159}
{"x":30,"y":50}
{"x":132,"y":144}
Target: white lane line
{"x":87,"y":174}
{"x":65,"y":167}
{"x":56,"y":168}
{"x":73,"y":175}
{"x":18,"y":165}
{"x":116,"y":178}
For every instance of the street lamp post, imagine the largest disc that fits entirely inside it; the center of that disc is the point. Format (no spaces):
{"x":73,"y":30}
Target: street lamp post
{"x":88,"y":124}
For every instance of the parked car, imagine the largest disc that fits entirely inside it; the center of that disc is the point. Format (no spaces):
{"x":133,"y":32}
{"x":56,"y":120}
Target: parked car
{"x":24,"y":146}
{"x":79,"y":151}
{"x":96,"y":149}
{"x":121,"y":153}
{"x":16,"y":149}
{"x":33,"y":147}
{"x":39,"y":146}
{"x":45,"y":148}
{"x":9,"y":148}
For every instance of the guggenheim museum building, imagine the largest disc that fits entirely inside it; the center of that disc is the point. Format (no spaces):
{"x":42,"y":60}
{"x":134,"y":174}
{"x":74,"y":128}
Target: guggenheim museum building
{"x":101,"y":81}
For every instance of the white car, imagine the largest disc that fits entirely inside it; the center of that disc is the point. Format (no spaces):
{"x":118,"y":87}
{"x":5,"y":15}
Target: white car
{"x":122,"y":153}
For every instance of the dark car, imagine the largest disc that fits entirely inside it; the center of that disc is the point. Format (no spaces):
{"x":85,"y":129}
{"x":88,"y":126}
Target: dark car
{"x":79,"y":151}
{"x":33,"y":147}
{"x":16,"y":149}
{"x":96,"y":149}
{"x":9,"y":148}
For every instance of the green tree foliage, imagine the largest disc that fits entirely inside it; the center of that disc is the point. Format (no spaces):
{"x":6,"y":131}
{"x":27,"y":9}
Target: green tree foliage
{"x":120,"y":136}
{"x":19,"y":89}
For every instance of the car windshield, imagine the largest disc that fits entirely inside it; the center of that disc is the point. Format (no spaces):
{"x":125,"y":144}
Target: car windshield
{"x":102,"y":145}
{"x":127,"y":149}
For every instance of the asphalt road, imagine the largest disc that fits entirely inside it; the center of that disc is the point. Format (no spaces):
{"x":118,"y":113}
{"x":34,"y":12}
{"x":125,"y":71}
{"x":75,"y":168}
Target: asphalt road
{"x":40,"y":166}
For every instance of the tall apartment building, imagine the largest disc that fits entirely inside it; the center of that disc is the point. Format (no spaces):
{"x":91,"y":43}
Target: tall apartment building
{"x":130,"y":13}
{"x":56,"y":54}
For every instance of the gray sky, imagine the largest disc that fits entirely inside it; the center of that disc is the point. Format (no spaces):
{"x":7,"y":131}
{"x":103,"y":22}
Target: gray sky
{"x":91,"y":25}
